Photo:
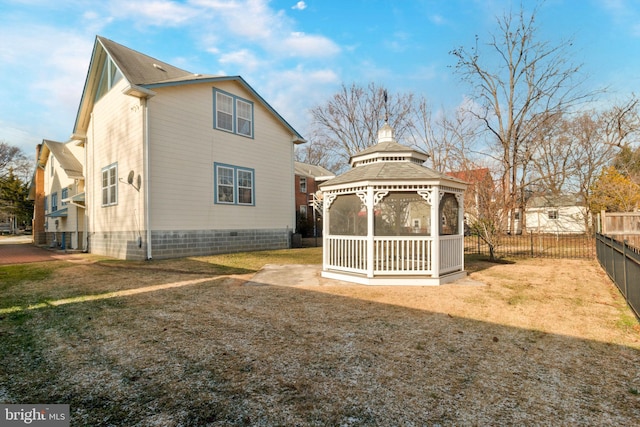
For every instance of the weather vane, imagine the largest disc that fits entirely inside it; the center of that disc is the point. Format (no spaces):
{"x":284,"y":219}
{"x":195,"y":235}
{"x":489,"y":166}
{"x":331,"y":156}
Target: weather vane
{"x":386,"y":109}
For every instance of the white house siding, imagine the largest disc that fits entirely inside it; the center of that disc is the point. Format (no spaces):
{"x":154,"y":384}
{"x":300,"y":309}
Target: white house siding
{"x":570,"y":219}
{"x":115,"y":135}
{"x":183,"y":149}
{"x":67,"y":229}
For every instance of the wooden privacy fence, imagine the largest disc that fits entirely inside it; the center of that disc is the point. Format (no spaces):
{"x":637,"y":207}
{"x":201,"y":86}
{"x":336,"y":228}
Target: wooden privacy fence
{"x":621,"y":226}
{"x":534,"y":244}
{"x":622,"y":264}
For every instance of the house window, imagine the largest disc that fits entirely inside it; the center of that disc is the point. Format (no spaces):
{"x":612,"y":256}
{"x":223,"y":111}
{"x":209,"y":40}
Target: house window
{"x":244,"y":118}
{"x":46,"y":206}
{"x":109,"y":76}
{"x":224,"y":112}
{"x":110,"y":185}
{"x":64,"y":195}
{"x":303,"y":184}
{"x":233,"y":114}
{"x":54,"y":202}
{"x":303,"y":211}
{"x":234,"y":185}
{"x":553,"y":214}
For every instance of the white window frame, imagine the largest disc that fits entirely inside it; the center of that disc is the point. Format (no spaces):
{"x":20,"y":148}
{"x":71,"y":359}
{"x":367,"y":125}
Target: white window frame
{"x":239,"y":119}
{"x":221,"y":170}
{"x":110,"y":187}
{"x":303,"y":184}
{"x":303,"y":210}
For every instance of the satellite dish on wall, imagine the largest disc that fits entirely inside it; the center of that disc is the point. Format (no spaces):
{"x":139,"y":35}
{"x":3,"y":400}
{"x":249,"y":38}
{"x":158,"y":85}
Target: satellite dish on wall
{"x":130,"y":177}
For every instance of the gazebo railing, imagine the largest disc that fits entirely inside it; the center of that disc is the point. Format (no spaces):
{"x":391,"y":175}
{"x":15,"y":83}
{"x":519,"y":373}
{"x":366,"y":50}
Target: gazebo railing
{"x":394,"y":255}
{"x":402,"y":255}
{"x":451,"y":253}
{"x":347,"y":253}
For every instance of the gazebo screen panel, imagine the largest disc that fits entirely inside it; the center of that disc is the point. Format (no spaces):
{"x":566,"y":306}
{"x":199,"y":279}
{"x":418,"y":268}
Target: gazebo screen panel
{"x":402,"y":214}
{"x":449,"y":215}
{"x":347,"y":216}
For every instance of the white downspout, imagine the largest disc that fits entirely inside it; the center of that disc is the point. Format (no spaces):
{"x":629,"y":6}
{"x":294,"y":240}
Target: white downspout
{"x":145,"y":155}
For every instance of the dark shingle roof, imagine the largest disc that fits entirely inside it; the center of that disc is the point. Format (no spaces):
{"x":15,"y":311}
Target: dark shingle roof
{"x":140,"y":69}
{"x":383,"y":171}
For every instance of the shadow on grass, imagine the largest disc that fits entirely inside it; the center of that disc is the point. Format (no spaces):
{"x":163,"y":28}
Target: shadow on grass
{"x":213,"y":354}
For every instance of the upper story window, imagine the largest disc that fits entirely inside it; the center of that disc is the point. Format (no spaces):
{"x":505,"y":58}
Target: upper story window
{"x":303,"y":184}
{"x":234,"y":185}
{"x":54,"y":202}
{"x":64,"y":194}
{"x":233,"y":114}
{"x":110,"y":185}
{"x":109,"y":76}
{"x":553,"y":214}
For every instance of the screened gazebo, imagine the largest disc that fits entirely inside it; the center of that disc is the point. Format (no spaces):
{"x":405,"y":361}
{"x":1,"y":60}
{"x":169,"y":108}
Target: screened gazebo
{"x":392,"y":221}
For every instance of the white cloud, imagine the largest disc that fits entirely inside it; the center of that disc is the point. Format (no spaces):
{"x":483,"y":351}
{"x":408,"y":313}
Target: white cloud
{"x":293,"y":91}
{"x":624,"y":13}
{"x":49,"y":66}
{"x":299,"y":6}
{"x":243,"y":59}
{"x":155,"y":12}
{"x":437,"y":19}
{"x":304,"y":45}
{"x":255,"y":22}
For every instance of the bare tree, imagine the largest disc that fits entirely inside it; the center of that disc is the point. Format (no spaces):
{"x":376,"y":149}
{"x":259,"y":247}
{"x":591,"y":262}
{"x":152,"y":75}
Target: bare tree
{"x":520,"y":83}
{"x":447,"y":138}
{"x":13,"y":160}
{"x":349,"y":121}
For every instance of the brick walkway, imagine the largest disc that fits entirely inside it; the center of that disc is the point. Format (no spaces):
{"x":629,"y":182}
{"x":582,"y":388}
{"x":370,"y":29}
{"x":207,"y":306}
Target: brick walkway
{"x":19,"y":250}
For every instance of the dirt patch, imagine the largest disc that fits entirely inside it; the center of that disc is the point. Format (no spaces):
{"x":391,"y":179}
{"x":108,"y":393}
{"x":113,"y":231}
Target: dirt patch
{"x":535,"y":343}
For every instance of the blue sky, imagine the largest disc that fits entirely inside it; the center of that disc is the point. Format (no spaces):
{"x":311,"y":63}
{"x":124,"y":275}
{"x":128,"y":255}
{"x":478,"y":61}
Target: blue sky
{"x":296,"y":54}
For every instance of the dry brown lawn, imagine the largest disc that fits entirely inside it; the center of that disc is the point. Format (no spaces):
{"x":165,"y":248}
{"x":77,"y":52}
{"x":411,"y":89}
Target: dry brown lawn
{"x":202,"y":342}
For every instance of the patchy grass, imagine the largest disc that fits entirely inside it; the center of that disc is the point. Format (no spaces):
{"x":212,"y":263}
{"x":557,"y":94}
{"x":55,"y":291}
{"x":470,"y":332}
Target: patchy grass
{"x":195,"y":342}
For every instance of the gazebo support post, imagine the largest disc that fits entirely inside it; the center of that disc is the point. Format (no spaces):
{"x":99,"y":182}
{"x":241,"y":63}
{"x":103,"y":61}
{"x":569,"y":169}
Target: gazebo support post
{"x":370,"y":232}
{"x":435,"y":231}
{"x":460,"y":199}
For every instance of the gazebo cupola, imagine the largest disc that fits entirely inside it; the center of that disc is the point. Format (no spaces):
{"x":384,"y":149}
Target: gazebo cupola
{"x":392,"y":221}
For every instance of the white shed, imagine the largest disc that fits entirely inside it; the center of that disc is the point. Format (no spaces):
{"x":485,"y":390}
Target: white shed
{"x":392,"y":221}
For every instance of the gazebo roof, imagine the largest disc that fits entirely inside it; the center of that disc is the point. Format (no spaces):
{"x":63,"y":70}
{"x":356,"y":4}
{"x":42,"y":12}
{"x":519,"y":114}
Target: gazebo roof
{"x":386,"y":171}
{"x":390,"y":161}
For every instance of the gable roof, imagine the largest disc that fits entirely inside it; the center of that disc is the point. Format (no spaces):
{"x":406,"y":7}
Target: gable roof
{"x":313,"y":171}
{"x":556,"y":201}
{"x":68,"y":162}
{"x":143,"y":73}
{"x":138,"y":68}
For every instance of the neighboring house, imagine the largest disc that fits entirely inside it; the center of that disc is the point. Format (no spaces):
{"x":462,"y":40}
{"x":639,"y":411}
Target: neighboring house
{"x":307,"y":179}
{"x":565,"y":213}
{"x":61,"y":198}
{"x":173,"y":163}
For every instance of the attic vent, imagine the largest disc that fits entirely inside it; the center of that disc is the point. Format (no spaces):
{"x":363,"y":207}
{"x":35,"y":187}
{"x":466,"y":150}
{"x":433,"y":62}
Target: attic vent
{"x":159,"y":67}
